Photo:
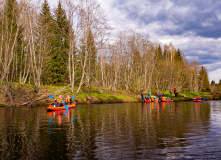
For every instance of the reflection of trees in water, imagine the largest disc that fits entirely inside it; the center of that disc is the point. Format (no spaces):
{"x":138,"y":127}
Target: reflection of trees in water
{"x":119,"y":130}
{"x":18,"y":139}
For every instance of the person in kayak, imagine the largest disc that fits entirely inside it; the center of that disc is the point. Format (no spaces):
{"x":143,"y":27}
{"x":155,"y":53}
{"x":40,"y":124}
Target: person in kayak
{"x":157,"y":94}
{"x":60,"y":101}
{"x":197,"y":97}
{"x":149,"y":95}
{"x":160,"y":95}
{"x":68,"y":100}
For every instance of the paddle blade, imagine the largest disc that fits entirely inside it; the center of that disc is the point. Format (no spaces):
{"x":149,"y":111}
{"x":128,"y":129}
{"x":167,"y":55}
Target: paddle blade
{"x":66,"y":107}
{"x":73,"y":97}
{"x":50,"y":96}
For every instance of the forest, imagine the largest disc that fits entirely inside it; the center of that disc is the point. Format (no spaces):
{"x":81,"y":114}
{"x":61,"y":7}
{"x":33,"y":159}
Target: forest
{"x":74,"y":45}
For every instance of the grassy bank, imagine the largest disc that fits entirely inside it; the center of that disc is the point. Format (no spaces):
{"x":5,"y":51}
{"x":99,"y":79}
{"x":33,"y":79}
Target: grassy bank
{"x":96,"y":95}
{"x":24,"y":93}
{"x":186,"y":96}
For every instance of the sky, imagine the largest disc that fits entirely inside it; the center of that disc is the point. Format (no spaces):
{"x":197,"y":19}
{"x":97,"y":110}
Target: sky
{"x":193,"y":26}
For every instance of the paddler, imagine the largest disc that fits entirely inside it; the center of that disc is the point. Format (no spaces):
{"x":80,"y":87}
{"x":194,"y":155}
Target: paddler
{"x":60,"y":101}
{"x":149,"y":95}
{"x":197,"y":97}
{"x":68,"y":100}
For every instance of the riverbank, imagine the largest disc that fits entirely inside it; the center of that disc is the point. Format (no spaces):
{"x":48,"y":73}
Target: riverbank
{"x":188,"y":96}
{"x":25,"y":94}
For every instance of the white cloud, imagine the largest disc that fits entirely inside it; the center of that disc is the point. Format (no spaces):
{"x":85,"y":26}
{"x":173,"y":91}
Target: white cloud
{"x":215,"y":75}
{"x":187,"y":24}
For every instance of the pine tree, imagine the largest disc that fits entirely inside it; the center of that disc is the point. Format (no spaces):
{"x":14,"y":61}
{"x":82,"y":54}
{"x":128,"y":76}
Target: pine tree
{"x":158,"y":53}
{"x":178,"y":55}
{"x":58,"y":65}
{"x":45,"y":23}
{"x":9,"y":32}
{"x":213,"y":82}
{"x":204,"y":84}
{"x":92,"y":59}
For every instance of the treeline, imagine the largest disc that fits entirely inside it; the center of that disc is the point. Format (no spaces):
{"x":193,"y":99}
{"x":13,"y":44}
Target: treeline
{"x":216,"y":87}
{"x":73,"y":45}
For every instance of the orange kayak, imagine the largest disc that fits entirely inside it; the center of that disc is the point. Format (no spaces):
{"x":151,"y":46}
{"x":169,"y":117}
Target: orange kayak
{"x":54,"y":108}
{"x":197,"y":100}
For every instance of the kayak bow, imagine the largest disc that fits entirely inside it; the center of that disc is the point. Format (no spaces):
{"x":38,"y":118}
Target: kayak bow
{"x":55,"y":108}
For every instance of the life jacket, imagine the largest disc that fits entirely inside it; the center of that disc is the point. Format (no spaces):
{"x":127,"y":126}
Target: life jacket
{"x":152,"y":99}
{"x":67,"y":100}
{"x":197,"y":97}
{"x":60,"y":100}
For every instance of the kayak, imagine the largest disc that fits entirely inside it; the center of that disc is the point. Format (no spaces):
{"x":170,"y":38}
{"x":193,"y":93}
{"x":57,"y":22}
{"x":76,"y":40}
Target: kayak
{"x":197,"y":100}
{"x":163,"y":100}
{"x":54,"y":108}
{"x":147,"y":100}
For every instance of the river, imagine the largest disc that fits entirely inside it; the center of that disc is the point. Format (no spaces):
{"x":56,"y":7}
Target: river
{"x":172,"y":130}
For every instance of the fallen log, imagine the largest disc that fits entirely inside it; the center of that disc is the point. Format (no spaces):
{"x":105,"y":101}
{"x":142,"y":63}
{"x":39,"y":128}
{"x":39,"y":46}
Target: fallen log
{"x":41,"y":98}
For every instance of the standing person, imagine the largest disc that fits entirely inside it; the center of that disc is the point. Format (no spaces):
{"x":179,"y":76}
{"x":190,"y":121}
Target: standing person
{"x":142,"y":95}
{"x":68,"y":100}
{"x":171,"y":92}
{"x":174,"y":89}
{"x":176,"y":93}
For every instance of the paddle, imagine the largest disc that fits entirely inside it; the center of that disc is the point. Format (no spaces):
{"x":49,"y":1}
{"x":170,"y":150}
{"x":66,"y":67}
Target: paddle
{"x":66,"y":107}
{"x":50,"y":96}
{"x":72,"y":97}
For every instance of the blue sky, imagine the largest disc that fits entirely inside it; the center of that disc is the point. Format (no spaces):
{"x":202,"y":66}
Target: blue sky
{"x":194,"y":26}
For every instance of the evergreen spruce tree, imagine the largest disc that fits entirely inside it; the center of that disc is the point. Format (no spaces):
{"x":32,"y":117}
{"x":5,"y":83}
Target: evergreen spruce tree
{"x":178,"y":55}
{"x":213,"y":83}
{"x":92,"y":59}
{"x":59,"y":56}
{"x":158,"y":53}
{"x":8,"y":31}
{"x":204,"y":84}
{"x":21,"y":44}
{"x":45,"y":35}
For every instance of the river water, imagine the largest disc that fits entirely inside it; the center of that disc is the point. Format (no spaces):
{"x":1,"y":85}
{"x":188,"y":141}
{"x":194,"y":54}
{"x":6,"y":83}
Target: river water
{"x":172,"y":130}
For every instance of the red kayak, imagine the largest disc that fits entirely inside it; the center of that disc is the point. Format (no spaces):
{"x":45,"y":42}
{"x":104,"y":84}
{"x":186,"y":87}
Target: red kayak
{"x":197,"y":100}
{"x":55,"y":108}
{"x":147,"y":100}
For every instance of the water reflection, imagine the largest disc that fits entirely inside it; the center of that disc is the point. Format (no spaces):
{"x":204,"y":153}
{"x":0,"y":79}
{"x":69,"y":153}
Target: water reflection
{"x":177,"y":130}
{"x":61,"y":116}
